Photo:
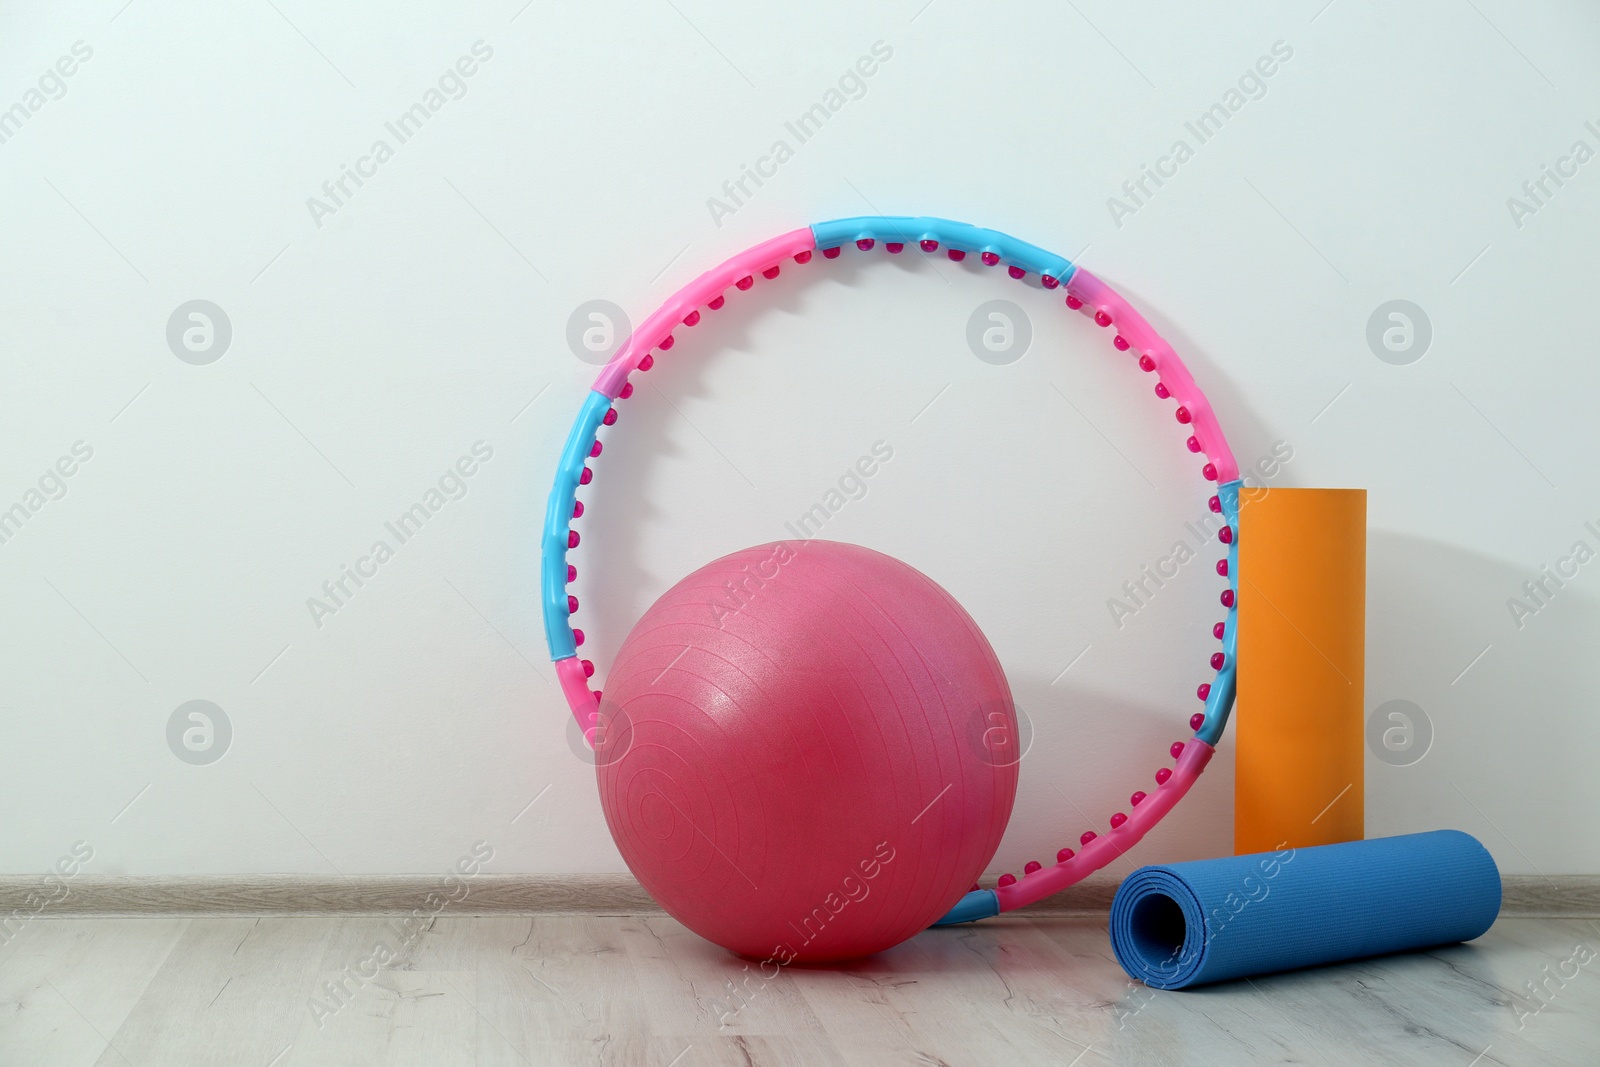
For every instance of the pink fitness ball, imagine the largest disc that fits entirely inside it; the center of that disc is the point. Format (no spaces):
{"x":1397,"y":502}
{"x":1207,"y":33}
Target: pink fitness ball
{"x":846,"y":778}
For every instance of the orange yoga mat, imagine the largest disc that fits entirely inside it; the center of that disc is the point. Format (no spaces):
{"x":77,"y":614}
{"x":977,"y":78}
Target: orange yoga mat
{"x":1298,"y":734}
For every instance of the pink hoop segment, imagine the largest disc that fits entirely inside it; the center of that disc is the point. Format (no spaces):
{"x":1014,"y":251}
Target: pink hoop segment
{"x":697,"y":294}
{"x":1103,"y":848}
{"x":1142,"y":337}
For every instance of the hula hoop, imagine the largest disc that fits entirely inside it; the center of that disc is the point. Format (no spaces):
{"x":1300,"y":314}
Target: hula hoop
{"x":1086,"y":294}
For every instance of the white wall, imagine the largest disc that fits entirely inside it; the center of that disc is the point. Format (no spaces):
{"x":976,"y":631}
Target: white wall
{"x":429,"y":312}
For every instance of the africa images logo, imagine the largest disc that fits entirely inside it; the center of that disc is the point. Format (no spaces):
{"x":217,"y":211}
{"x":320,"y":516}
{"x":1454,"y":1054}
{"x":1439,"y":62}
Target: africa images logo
{"x":451,"y":85}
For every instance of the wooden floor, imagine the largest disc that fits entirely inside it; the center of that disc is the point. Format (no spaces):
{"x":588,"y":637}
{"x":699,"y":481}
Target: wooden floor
{"x":558,"y":989}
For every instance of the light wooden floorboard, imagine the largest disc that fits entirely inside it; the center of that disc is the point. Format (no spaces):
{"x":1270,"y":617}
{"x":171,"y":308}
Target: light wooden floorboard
{"x":642,"y":990}
{"x":66,"y":987}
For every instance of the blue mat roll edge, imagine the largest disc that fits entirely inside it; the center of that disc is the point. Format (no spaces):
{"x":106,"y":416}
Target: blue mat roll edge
{"x":1184,"y":924}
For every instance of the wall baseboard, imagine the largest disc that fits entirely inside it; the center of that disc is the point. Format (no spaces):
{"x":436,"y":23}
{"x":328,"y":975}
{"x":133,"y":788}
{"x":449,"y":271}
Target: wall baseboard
{"x":321,"y":895}
{"x":595,"y":894}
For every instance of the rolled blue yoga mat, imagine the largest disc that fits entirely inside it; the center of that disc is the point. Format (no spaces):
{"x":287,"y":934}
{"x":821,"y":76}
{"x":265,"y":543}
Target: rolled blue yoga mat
{"x":1185,"y":924}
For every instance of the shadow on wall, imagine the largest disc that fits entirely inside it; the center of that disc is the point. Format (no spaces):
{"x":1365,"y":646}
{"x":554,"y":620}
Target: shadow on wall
{"x":1091,"y":748}
{"x":1094,"y":748}
{"x":1502,"y":700}
{"x":1471,"y":723}
{"x":1248,"y":435}
{"x":1089,"y":751}
{"x":1511,"y":709}
{"x":623,"y":486}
